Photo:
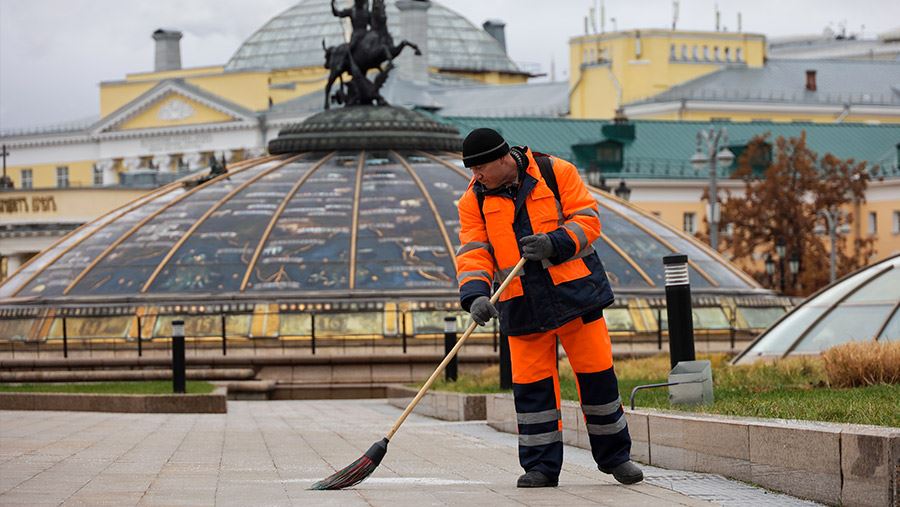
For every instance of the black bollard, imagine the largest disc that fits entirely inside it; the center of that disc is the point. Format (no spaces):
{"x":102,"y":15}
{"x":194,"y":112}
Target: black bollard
{"x":65,"y":338}
{"x":178,"y":373}
{"x":505,"y":363}
{"x":678,"y":308}
{"x":450,"y":342}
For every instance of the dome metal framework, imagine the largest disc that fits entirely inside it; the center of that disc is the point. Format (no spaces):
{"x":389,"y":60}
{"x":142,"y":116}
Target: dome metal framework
{"x":319,"y":225}
{"x":861,"y":306}
{"x":294,"y":38}
{"x":346,"y":231}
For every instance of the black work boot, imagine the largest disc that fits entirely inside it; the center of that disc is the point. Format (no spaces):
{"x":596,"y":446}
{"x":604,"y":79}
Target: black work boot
{"x":626,"y":473}
{"x":535,"y":479}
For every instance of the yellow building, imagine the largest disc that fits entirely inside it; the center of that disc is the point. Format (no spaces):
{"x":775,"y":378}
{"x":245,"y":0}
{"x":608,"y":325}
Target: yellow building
{"x":722,"y":76}
{"x":608,"y":71}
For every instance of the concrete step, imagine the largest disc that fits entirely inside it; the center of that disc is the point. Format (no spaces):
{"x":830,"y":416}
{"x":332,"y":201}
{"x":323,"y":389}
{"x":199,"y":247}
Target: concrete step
{"x":124,"y":375}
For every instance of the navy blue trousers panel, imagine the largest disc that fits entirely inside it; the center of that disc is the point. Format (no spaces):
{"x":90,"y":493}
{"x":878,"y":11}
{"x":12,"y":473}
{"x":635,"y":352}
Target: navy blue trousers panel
{"x":531,"y":398}
{"x":601,"y":389}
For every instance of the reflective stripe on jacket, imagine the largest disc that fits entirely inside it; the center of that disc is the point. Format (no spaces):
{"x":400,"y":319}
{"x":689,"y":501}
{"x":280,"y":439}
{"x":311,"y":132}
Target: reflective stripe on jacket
{"x":550,"y":293}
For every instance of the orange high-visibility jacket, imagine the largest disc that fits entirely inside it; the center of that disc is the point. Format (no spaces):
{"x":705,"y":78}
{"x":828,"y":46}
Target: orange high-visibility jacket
{"x":548,"y":293}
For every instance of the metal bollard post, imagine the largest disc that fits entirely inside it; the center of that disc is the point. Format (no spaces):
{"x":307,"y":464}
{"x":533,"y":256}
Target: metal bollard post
{"x":678,"y":309}
{"x":139,"y":338}
{"x":659,"y":328}
{"x":312,"y":332}
{"x":403,"y":328}
{"x":178,"y":373}
{"x":224,"y":345}
{"x":505,"y":363}
{"x":65,"y":338}
{"x":449,"y":342}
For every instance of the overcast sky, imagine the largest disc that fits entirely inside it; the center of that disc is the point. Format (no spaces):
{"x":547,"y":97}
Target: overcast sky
{"x":53,"y":53}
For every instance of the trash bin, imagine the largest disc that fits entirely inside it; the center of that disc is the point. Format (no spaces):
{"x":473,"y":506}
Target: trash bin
{"x":695,"y":383}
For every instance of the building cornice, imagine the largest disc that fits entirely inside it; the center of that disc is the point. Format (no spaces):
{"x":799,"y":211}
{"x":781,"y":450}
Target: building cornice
{"x":652,"y":108}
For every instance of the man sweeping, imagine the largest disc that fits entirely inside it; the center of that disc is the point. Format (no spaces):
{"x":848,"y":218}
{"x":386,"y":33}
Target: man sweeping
{"x":524,"y":204}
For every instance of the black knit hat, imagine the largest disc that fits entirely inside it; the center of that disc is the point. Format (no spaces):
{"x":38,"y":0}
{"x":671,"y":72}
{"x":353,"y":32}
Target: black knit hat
{"x":482,"y":146}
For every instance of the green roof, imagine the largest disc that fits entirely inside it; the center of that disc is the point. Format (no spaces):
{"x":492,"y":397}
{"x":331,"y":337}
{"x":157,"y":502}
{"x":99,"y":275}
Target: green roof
{"x":662,"y":149}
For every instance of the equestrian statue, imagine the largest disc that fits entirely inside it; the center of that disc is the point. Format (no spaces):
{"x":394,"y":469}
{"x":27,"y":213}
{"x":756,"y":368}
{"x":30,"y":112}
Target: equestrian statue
{"x":370,"y":47}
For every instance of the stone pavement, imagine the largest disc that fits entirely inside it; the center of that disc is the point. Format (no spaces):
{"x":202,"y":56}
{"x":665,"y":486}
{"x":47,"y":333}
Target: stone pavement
{"x":268,"y":453}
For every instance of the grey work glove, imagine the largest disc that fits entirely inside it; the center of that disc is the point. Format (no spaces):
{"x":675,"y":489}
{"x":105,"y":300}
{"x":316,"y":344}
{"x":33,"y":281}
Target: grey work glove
{"x":536,"y":247}
{"x":482,"y":310}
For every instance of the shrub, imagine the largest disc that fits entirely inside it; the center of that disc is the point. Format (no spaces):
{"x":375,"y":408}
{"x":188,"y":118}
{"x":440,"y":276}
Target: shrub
{"x":867,"y":363}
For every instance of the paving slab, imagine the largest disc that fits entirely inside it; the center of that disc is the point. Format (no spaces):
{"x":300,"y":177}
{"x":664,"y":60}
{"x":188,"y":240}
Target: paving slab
{"x":270,"y":452}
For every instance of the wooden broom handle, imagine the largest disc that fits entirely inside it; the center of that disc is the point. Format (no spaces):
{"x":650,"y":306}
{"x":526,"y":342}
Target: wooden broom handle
{"x":452,"y":353}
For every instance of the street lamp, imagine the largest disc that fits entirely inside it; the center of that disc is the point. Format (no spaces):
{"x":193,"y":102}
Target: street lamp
{"x":708,"y":158}
{"x":603,"y":186}
{"x":794,"y":264}
{"x":780,"y":250}
{"x":832,"y":217}
{"x":770,"y":266}
{"x":5,"y":181}
{"x":622,"y":191}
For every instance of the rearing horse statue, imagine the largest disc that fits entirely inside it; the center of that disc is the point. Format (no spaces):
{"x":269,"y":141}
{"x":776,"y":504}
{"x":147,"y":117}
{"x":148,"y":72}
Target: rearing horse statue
{"x":368,"y":52}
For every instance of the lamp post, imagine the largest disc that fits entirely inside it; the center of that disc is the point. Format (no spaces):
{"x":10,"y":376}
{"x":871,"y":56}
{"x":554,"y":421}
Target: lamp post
{"x":603,"y":186}
{"x":770,"y":268}
{"x":5,"y":181}
{"x":832,"y":217}
{"x":623,"y":191}
{"x":711,"y":139}
{"x":780,"y":248}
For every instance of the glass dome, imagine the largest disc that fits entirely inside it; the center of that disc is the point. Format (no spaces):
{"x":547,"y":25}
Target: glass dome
{"x":294,"y":39}
{"x":325,"y":227}
{"x":861,"y":306}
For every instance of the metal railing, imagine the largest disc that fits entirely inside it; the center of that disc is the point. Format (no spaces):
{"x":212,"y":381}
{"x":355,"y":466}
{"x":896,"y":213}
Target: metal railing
{"x":302,"y":332}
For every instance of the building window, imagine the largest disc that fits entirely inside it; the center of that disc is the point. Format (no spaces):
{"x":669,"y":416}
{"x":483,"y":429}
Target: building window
{"x":738,"y":55}
{"x":706,"y":53}
{"x":62,"y":177}
{"x":690,"y":223}
{"x":896,"y":226}
{"x":609,"y":155}
{"x":684,"y":52}
{"x":671,"y":51}
{"x":694,"y":52}
{"x":716,"y":53}
{"x":873,"y":223}
{"x":727,"y":54}
{"x":98,"y":176}
{"x":27,"y":178}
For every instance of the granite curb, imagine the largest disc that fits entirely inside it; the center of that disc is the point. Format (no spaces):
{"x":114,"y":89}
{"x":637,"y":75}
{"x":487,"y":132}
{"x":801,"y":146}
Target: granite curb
{"x":214,"y":403}
{"x":836,"y":464}
{"x":442,"y":405}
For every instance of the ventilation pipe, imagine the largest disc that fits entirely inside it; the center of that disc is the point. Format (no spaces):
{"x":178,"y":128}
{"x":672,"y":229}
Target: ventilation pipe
{"x":811,"y":80}
{"x":414,"y":28}
{"x":496,"y":29}
{"x":168,"y":50}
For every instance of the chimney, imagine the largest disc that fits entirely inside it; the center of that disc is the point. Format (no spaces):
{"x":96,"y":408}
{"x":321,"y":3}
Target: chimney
{"x":414,"y":28}
{"x":496,"y":29}
{"x":811,"y":80}
{"x":168,"y":50}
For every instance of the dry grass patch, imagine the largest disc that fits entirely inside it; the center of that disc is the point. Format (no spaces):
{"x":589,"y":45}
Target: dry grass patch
{"x":858,"y":364}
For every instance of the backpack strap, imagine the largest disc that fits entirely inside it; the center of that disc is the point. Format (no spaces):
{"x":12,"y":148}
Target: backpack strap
{"x":545,"y":164}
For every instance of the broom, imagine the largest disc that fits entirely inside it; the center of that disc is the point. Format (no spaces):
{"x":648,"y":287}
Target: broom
{"x":359,"y":470}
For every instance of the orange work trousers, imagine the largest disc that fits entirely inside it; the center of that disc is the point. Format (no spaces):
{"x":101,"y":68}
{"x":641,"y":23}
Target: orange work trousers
{"x":536,"y":390}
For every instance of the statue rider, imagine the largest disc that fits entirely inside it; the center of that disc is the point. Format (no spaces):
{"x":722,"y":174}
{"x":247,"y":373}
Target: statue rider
{"x":359,"y":19}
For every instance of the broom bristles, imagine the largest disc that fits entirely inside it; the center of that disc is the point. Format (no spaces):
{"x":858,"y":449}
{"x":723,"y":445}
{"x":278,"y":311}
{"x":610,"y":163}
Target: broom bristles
{"x":355,"y":472}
